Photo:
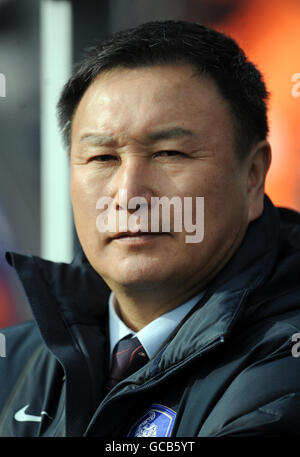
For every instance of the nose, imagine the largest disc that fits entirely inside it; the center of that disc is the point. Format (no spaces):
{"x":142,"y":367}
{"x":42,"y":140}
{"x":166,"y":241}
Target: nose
{"x":134,"y":178}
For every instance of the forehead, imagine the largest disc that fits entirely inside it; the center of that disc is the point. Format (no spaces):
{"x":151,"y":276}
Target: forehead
{"x":147,"y":97}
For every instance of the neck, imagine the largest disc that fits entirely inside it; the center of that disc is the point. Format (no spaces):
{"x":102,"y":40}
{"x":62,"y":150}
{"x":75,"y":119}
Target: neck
{"x":142,"y":307}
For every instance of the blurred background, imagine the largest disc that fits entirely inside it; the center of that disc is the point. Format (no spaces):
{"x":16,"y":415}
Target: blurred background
{"x":40,"y":41}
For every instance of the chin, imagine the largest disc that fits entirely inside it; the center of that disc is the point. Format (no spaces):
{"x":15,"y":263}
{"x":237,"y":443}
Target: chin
{"x":135,"y":275}
{"x":134,"y":278}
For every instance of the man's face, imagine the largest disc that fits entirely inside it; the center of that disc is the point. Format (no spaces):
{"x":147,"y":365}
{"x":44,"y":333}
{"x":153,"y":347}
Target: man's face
{"x":157,"y":131}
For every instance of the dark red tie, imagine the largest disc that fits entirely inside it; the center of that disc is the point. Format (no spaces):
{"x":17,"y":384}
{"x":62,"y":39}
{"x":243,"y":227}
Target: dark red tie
{"x":128,"y":356}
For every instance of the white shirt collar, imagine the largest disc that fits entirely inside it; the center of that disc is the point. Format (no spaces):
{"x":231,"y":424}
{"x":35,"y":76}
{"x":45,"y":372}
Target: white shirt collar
{"x":155,"y":333}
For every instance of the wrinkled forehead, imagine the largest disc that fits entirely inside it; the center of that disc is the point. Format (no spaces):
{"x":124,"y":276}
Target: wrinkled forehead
{"x":146,"y":99}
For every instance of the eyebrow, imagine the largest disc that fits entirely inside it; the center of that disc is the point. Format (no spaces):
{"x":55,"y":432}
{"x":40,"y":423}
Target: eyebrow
{"x":98,"y":140}
{"x":164,"y":134}
{"x":170,"y":134}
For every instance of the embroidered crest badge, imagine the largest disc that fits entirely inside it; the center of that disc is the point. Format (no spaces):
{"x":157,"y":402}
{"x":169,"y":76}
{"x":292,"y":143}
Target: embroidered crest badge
{"x":158,"y":421}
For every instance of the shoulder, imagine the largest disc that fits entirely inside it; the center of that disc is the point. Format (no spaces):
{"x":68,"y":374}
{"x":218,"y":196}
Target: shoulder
{"x":289,"y":238}
{"x":262,"y":397}
{"x":22,"y":338}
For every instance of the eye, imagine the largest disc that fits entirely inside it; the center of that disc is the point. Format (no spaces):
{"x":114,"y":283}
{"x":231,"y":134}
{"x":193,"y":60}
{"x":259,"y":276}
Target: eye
{"x":169,"y":153}
{"x":103,"y":158}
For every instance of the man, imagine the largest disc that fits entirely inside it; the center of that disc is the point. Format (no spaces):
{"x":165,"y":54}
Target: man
{"x":168,"y":109}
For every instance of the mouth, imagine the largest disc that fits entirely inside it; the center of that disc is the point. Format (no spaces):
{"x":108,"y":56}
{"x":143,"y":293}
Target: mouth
{"x":137,"y":237}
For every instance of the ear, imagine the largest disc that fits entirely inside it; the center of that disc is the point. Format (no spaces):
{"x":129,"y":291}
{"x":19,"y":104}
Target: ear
{"x":259,"y":161}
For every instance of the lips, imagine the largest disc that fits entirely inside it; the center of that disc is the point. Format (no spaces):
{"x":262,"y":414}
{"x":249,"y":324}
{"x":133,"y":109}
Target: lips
{"x":136,"y":234}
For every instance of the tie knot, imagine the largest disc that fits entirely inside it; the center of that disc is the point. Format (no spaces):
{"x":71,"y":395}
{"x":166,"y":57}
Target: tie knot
{"x":128,"y":356}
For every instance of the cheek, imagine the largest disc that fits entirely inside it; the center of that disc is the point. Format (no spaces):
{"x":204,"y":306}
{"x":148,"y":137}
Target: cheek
{"x":225,"y":200}
{"x":84,"y":194}
{"x":225,"y":214}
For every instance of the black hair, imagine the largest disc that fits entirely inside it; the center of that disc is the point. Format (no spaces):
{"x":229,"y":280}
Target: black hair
{"x":212,"y":53}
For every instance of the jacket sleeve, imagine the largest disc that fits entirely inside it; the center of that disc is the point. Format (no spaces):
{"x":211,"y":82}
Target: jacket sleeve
{"x":262,"y":400}
{"x":21,"y":341}
{"x":280,"y":417}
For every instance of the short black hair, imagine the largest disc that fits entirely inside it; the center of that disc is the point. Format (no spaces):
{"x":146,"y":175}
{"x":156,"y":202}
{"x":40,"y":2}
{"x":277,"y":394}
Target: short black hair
{"x":212,"y":53}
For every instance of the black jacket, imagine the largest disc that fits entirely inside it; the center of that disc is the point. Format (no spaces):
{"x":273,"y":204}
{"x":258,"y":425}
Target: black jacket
{"x":228,"y":370}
